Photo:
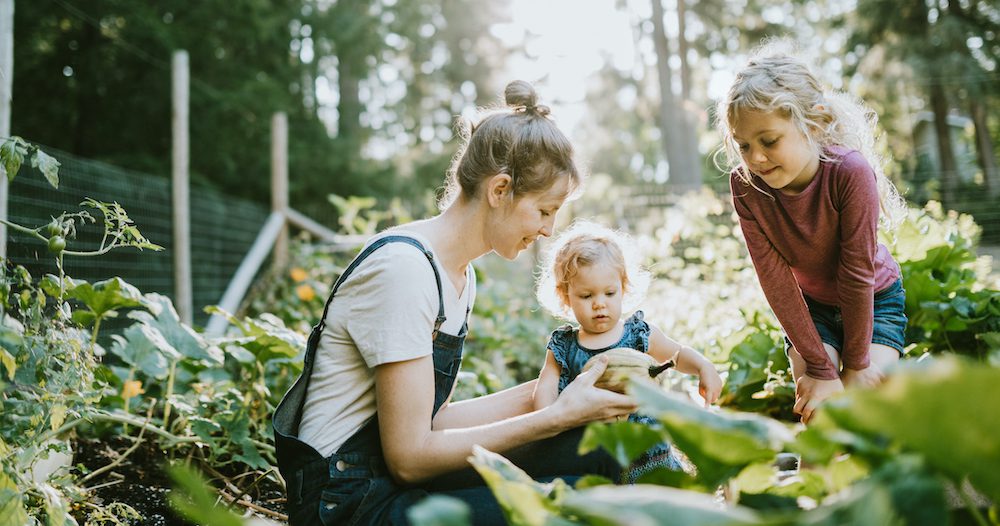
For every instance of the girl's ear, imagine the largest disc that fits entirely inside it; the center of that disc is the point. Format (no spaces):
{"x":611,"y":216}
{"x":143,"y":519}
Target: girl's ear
{"x":498,"y":189}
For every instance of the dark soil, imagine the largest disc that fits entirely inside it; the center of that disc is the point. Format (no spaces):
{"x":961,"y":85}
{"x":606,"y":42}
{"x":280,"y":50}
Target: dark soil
{"x":141,"y":482}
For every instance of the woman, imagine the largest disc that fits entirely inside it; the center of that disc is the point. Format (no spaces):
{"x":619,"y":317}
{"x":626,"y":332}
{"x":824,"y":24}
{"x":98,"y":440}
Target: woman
{"x":368,"y":430}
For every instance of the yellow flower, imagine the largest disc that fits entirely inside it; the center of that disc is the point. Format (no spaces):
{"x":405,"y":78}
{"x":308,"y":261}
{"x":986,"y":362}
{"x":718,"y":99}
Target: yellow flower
{"x":132,"y":388}
{"x":298,"y":274}
{"x":305,"y":292}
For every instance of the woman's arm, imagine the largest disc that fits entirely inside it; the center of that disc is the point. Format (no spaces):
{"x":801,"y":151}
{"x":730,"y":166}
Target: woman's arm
{"x":508,"y":403}
{"x":414,"y":452}
{"x":686,"y":360}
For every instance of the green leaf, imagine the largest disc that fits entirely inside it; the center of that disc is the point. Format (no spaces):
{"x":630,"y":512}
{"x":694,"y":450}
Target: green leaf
{"x":48,"y":165}
{"x":523,"y":501}
{"x":107,"y":295}
{"x":643,"y":505}
{"x":12,"y":512}
{"x":440,"y":510}
{"x":8,"y":362}
{"x":719,"y":444}
{"x":143,"y":347}
{"x":56,"y":507}
{"x":945,"y":409}
{"x":625,"y":441}
{"x":163,"y":317}
{"x":12,"y":156}
{"x":196,"y":502}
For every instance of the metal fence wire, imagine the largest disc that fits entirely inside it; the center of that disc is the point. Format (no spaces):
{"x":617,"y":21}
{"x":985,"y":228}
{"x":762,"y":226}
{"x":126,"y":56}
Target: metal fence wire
{"x":222,"y":228}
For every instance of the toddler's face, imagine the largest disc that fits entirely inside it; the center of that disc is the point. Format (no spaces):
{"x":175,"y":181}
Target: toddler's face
{"x":595,"y":296}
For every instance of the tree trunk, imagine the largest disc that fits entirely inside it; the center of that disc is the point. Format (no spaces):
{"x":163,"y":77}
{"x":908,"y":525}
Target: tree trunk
{"x":984,"y":147}
{"x":684,"y":172}
{"x":682,"y":51}
{"x":946,"y":155}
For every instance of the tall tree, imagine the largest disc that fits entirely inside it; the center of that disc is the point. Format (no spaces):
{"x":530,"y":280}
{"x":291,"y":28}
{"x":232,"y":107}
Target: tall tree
{"x":676,"y":127}
{"x":933,"y":39}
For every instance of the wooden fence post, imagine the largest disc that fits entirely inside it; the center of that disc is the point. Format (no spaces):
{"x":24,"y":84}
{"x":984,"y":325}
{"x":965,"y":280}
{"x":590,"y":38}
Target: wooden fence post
{"x":6,"y":85}
{"x":181,"y":193}
{"x":279,"y":184}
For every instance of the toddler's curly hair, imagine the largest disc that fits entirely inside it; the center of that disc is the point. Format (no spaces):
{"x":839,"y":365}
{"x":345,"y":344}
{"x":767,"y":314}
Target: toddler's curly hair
{"x":583,"y":244}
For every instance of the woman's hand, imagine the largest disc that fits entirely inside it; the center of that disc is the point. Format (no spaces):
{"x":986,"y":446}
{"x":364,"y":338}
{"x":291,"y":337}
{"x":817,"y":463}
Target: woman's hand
{"x":581,"y":403}
{"x":809,"y":392}
{"x":871,"y":376}
{"x":710,"y":385}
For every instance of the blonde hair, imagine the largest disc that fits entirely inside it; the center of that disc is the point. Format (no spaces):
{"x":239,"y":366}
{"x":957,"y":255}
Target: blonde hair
{"x":584,"y":244}
{"x":519,"y":139}
{"x":774,"y":80}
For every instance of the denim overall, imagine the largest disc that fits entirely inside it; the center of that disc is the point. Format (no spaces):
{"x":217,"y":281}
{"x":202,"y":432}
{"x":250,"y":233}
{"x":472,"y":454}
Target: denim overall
{"x":353,"y":486}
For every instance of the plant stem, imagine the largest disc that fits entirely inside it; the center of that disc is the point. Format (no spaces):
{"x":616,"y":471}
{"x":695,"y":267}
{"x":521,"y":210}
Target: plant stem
{"x":970,"y":505}
{"x":129,"y":451}
{"x":172,"y":439}
{"x":93,"y":334}
{"x":24,"y":230}
{"x":170,"y":392}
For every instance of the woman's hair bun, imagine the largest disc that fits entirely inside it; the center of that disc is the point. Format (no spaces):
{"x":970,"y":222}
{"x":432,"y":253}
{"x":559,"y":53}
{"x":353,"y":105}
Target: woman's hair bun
{"x":519,"y":93}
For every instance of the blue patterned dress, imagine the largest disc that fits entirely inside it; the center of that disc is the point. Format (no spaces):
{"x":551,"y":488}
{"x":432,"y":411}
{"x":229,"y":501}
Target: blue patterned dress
{"x":571,"y":356}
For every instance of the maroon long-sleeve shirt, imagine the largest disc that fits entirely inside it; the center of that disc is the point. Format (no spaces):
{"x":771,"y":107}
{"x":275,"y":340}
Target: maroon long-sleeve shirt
{"x":822,"y":243}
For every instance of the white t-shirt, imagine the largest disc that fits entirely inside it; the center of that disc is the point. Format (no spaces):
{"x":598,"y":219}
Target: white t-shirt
{"x":383,"y":313}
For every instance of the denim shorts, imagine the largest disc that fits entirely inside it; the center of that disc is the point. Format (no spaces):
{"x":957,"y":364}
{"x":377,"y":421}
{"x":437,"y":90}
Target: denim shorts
{"x":889,"y":320}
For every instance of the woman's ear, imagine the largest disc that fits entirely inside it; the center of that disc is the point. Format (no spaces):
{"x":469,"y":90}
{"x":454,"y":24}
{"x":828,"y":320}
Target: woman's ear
{"x":498,"y":189}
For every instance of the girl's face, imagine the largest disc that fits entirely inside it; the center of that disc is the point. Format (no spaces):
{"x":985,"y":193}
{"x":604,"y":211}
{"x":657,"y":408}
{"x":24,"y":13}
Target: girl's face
{"x":595,"y":296}
{"x":774,"y":149}
{"x":527,"y":218}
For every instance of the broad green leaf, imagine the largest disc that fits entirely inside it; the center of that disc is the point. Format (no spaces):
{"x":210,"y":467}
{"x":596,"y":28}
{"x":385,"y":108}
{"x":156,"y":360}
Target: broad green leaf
{"x":643,"y":505}
{"x":440,"y":510}
{"x":144,"y":348}
{"x":945,"y":409}
{"x":107,"y":295}
{"x":193,"y":498}
{"x":12,"y":512}
{"x":719,"y":444}
{"x":917,"y":495}
{"x":625,"y":441}
{"x":523,"y":501}
{"x":163,"y":317}
{"x":866,"y":504}
{"x":48,"y":165}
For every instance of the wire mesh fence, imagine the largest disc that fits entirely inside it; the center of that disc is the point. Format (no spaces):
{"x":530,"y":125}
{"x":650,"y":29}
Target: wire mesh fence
{"x":222,"y":228}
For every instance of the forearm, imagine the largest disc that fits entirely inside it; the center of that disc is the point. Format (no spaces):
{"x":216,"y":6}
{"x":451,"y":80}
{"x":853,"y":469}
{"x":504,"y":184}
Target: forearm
{"x":501,"y":405}
{"x":446,"y":450}
{"x":690,"y":361}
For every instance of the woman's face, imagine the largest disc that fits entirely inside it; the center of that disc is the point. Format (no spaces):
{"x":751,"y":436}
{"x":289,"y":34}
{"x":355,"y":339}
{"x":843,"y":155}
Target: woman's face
{"x":519,"y":223}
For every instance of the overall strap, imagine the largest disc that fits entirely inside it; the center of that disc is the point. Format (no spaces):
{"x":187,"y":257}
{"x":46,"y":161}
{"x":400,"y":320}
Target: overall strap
{"x":357,"y":261}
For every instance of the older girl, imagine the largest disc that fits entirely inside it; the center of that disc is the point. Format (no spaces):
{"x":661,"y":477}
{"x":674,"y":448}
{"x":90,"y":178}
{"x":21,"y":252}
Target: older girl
{"x":808,"y":187}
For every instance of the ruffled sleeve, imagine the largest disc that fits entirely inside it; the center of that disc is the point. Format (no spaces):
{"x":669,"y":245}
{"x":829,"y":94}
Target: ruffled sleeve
{"x":561,"y":344}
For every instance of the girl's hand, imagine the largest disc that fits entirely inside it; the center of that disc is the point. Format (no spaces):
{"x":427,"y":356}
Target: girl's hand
{"x":581,"y":403}
{"x":710,"y":385}
{"x":809,"y":392}
{"x":871,"y":376}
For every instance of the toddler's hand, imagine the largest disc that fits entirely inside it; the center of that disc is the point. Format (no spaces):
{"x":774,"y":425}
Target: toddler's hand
{"x":809,"y":392}
{"x":871,"y":376}
{"x":710,"y":385}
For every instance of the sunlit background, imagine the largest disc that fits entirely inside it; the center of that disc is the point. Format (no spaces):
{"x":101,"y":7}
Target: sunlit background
{"x":373,"y":87}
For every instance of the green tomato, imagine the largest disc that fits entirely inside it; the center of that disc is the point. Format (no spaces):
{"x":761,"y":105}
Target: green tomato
{"x":57,"y":244}
{"x":55,"y":228}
